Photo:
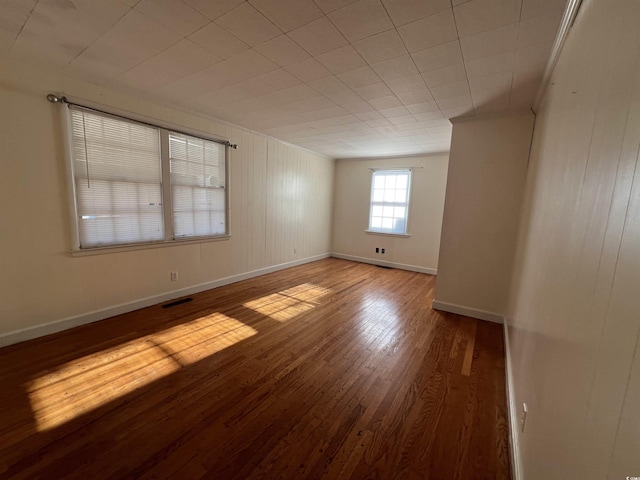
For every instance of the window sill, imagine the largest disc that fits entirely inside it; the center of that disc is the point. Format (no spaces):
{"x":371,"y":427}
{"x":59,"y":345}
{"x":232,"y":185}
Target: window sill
{"x":373,"y":232}
{"x":146,"y":246}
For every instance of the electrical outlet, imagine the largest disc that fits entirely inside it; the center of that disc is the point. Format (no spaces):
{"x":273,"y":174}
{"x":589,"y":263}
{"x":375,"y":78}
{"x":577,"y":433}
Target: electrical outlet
{"x":174,"y":276}
{"x":383,"y":250}
{"x":523,"y":417}
{"x":377,"y":250}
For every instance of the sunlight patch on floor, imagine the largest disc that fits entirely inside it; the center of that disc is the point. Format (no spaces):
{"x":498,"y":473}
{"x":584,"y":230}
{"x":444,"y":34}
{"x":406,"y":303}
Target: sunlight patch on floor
{"x":285,"y":305}
{"x":87,"y":383}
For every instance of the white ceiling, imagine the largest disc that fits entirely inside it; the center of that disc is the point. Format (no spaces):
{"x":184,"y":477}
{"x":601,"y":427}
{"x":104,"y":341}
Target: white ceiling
{"x":347,"y":78}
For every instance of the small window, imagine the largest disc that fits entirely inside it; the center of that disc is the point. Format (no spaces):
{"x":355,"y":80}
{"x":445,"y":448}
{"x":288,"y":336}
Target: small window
{"x":136,"y":183}
{"x":389,"y":209}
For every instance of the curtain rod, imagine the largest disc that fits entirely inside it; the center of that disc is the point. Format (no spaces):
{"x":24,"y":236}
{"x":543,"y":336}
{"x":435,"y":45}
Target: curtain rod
{"x":55,"y":99}
{"x":397,"y":169}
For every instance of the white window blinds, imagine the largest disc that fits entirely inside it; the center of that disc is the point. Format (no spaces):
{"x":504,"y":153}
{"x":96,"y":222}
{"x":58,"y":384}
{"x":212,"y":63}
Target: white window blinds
{"x":117,"y":176}
{"x":137,"y":183}
{"x":197,"y":186}
{"x":390,"y":201}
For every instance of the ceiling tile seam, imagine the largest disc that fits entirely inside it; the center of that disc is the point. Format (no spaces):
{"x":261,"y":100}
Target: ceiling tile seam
{"x":412,"y":61}
{"x":163,"y":51}
{"x":464,"y":65}
{"x":249,"y":47}
{"x":106,"y":31}
{"x":211,"y":20}
{"x":308,"y":23}
{"x":221,"y":25}
{"x":185,"y":5}
{"x":24,"y":24}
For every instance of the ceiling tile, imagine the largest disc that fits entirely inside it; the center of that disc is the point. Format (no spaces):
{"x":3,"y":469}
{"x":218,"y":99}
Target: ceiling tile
{"x":415,"y":96}
{"x":394,"y":111}
{"x":426,"y":116}
{"x":177,"y":16}
{"x":395,"y":68}
{"x":451,"y":90}
{"x":361,"y":19}
{"x":489,"y":43}
{"x":503,"y":62}
{"x":458,"y":101}
{"x":328,"y":85}
{"x":533,"y":8}
{"x":479,"y":16}
{"x":318,"y":37}
{"x":328,"y":6}
{"x":180,"y":60}
{"x":359,"y":77}
{"x":425,"y":107}
{"x":437,"y":57}
{"x":407,"y":83}
{"x":541,"y":29}
{"x":390,"y":101}
{"x":429,"y":32}
{"x":279,"y":79}
{"x":341,"y":60}
{"x":252,"y":63}
{"x":212,"y":9}
{"x":382,"y":46}
{"x":248,"y":24}
{"x":376,"y":90}
{"x":490,"y":86}
{"x":288,"y":14}
{"x":217,"y":40}
{"x":282,"y":50}
{"x":131,"y":41}
{"x":308,"y":70}
{"x":446,"y":75}
{"x":59,"y":33}
{"x":407,"y":11}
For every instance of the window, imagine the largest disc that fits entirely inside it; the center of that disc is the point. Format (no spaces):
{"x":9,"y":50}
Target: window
{"x":389,"y":208}
{"x":136,"y":183}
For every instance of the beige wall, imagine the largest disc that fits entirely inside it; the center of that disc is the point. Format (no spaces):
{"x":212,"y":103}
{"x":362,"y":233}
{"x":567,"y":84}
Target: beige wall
{"x":351,"y":213}
{"x":487,"y":170}
{"x":281,"y":199}
{"x":574,"y":315}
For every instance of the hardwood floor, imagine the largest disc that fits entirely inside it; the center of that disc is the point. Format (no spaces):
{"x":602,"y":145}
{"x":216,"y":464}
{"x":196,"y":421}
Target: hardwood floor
{"x":332,"y":370}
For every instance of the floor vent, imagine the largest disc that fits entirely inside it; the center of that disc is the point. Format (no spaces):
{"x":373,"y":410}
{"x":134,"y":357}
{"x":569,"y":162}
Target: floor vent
{"x":177,"y":302}
{"x":384,"y":266}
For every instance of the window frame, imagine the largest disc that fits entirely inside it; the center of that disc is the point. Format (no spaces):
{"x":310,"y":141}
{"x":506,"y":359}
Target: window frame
{"x":164,"y":130}
{"x":379,"y":171}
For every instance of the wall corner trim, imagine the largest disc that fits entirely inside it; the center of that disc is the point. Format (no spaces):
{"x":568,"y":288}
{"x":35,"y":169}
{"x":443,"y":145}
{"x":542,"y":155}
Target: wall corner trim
{"x":41,"y":330}
{"x":512,"y":411}
{"x":468,"y":311}
{"x":383,"y":263}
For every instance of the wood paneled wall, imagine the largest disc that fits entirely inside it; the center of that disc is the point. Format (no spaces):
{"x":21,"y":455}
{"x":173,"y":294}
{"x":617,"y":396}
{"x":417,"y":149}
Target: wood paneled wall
{"x":280,"y":200}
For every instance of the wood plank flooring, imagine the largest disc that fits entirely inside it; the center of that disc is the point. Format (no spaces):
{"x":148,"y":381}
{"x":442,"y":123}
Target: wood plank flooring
{"x":332,"y":370}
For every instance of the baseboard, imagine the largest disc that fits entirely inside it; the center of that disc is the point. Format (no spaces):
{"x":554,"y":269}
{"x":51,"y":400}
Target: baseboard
{"x":383,"y":263}
{"x":514,"y":426}
{"x":467,"y":311}
{"x":66,"y":323}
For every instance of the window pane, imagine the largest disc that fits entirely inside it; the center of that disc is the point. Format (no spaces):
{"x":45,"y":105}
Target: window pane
{"x":389,"y":201}
{"x":117,"y":175}
{"x":197,"y":185}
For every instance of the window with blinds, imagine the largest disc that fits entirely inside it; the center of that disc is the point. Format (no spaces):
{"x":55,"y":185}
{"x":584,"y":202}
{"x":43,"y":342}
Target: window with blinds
{"x":389,"y":207}
{"x":121,"y":172}
{"x":197,"y":186}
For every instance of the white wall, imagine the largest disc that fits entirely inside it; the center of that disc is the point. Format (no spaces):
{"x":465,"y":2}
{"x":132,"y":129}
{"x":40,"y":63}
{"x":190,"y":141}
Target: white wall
{"x":487,"y":171}
{"x":351,"y":213}
{"x":574,"y":315}
{"x":281,"y":199}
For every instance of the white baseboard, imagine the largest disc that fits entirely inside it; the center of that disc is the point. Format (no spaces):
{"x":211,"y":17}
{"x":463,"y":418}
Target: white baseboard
{"x":467,"y":311}
{"x":64,"y":324}
{"x":514,"y":426}
{"x":383,"y":263}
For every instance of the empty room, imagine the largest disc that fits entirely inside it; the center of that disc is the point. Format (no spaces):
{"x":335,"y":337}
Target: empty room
{"x":320,"y":239}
